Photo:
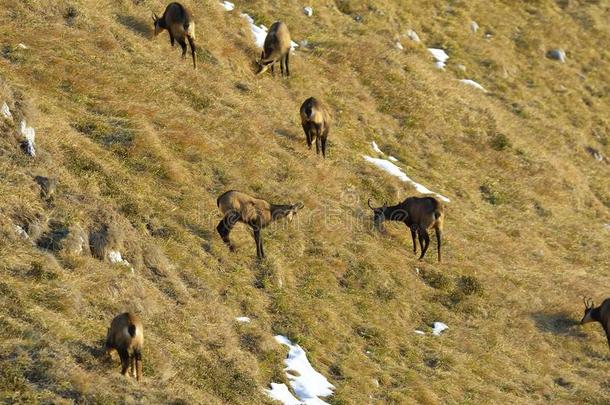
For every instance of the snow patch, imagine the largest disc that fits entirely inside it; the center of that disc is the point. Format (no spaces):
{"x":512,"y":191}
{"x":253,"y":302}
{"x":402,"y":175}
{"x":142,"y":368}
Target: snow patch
{"x":260,"y":33}
{"x":29,"y":135}
{"x":392,"y":158}
{"x":280,"y":392}
{"x":438,"y":328}
{"x":308,"y":11}
{"x":440,"y":56}
{"x":21,"y":46}
{"x":227,"y":5}
{"x":420,"y":332}
{"x":242,"y":319}
{"x":399,"y":45}
{"x":114,"y":257}
{"x":376,"y":148}
{"x":396,"y":171}
{"x":307,"y":383}
{"x":21,"y":232}
{"x":473,"y":84}
{"x":474,"y":27}
{"x":6,"y":112}
{"x":412,"y":35}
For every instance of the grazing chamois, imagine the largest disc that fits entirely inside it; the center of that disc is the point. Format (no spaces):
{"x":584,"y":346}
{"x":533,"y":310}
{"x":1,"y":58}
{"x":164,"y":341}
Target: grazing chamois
{"x":419,"y":214}
{"x":600,"y":314}
{"x":240,"y":207}
{"x":276,"y":49}
{"x":126,"y":336}
{"x":315,"y":121}
{"x":178,"y":21}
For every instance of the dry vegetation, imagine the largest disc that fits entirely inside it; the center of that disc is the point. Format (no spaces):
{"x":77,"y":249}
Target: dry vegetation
{"x":141,"y":145}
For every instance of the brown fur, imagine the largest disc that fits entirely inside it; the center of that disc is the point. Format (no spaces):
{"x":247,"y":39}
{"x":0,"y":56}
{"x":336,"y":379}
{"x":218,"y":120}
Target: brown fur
{"x":276,"y":49}
{"x":178,"y":22}
{"x":255,"y":212}
{"x":600,"y":314}
{"x":315,"y":121}
{"x":126,"y":336}
{"x":420,"y":214}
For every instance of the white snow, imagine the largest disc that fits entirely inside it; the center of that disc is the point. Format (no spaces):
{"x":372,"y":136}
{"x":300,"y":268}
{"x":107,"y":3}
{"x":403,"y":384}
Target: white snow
{"x":376,"y":148}
{"x":280,"y":392}
{"x":21,"y":232}
{"x":392,"y":158}
{"x":440,"y":56}
{"x":474,"y":27}
{"x":412,"y":35}
{"x":29,"y":135}
{"x":438,"y":328}
{"x":473,"y":84}
{"x":22,"y":46}
{"x":399,"y":45}
{"x":307,"y":383}
{"x":394,"y":170}
{"x":308,"y":11}
{"x":227,"y":5}
{"x":420,"y":332}
{"x":243,"y":319}
{"x":114,"y":257}
{"x":6,"y":112}
{"x":260,"y":32}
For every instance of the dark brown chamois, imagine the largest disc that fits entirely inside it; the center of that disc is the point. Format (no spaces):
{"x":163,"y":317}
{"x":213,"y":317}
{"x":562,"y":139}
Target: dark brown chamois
{"x":315,"y":121}
{"x":419,"y":214}
{"x":255,"y":212}
{"x":126,"y":336}
{"x":178,"y":21}
{"x":276,"y":49}
{"x":600,"y":314}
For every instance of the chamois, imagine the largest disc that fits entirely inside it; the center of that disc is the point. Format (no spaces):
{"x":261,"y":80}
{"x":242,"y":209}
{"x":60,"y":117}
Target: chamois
{"x":276,"y":49}
{"x":126,"y":336}
{"x":600,"y":314}
{"x":257,"y":213}
{"x":315,"y":120}
{"x":178,"y":21}
{"x":419,"y":214}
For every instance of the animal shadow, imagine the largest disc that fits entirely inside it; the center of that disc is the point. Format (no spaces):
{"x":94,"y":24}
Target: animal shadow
{"x":88,"y":356}
{"x":286,"y":134}
{"x":559,"y":323}
{"x":137,"y":25}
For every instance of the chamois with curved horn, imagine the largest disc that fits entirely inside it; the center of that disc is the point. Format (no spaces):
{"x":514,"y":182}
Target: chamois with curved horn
{"x":178,"y":21}
{"x":419,"y":214}
{"x":599,"y":314}
{"x":255,"y":212}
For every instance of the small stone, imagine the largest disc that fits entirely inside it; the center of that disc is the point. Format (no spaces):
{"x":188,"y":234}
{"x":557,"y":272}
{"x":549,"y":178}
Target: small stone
{"x":474,"y":27}
{"x":557,"y":54}
{"x":412,"y":35}
{"x":308,"y":11}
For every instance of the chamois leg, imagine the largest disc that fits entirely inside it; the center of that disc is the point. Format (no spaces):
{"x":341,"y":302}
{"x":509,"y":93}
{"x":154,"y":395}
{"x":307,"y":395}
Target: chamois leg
{"x":182,"y":43}
{"x":124,"y":360}
{"x":224,"y":228}
{"x":259,"y":243}
{"x":138,"y":359}
{"x":420,"y":236}
{"x":132,"y":366}
{"x":438,"y":248}
{"x":172,"y":40}
{"x":426,"y":238}
{"x":324,"y":146}
{"x":193,"y":50}
{"x":272,"y":72}
{"x":413,"y":230}
{"x":318,"y":139}
{"x":307,"y":135}
{"x":286,"y":63}
{"x":282,"y":66}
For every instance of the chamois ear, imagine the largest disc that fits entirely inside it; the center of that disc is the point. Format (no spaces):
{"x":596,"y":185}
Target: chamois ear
{"x":298,"y":206}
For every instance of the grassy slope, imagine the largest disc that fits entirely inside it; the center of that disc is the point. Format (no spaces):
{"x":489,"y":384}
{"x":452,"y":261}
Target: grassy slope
{"x":139,"y":140}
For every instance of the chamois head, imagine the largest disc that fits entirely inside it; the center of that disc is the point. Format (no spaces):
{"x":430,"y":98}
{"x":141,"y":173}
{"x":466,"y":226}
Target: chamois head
{"x":157,"y":24}
{"x":261,"y":66}
{"x":294,"y":208}
{"x":588,"y":308}
{"x":378,"y":215}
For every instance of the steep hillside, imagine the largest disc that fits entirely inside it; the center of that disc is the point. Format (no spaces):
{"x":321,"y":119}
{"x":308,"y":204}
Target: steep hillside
{"x":141,"y":145}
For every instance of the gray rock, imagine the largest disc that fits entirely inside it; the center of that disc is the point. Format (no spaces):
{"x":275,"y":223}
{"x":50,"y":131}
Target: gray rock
{"x":557,"y":54}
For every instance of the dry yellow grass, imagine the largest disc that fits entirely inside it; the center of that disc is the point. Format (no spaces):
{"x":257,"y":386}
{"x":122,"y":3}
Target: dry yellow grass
{"x":140,"y":141}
